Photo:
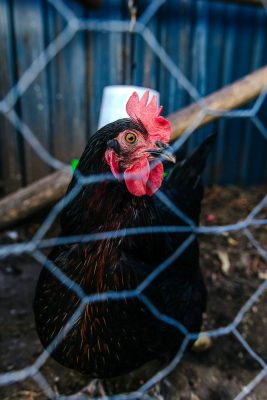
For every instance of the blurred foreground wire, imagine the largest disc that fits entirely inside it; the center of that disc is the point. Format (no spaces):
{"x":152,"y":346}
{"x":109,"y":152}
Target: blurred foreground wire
{"x":38,"y":242}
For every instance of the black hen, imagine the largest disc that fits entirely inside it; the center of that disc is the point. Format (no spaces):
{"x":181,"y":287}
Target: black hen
{"x":111,"y":338}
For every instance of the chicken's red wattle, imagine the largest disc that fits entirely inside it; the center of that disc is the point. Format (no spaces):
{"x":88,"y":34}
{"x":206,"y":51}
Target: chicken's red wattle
{"x":140,"y":178}
{"x":143,"y":179}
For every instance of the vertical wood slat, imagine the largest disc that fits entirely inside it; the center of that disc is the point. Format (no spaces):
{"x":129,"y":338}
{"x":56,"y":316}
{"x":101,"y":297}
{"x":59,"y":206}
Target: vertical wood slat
{"x":243,"y":31}
{"x":258,"y":172}
{"x":199,"y":65}
{"x":254,"y":169}
{"x":28,"y":26}
{"x":151,"y":61}
{"x":215,"y":65}
{"x":146,"y":62}
{"x":228,"y":51}
{"x":105,"y":60}
{"x":168,"y":86}
{"x":67,"y":92}
{"x":10,"y":166}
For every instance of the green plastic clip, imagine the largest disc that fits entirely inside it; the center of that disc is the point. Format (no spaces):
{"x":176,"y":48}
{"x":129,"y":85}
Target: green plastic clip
{"x":74,"y":164}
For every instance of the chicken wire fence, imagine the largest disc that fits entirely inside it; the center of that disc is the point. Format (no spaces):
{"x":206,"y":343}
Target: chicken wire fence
{"x":38,"y":242}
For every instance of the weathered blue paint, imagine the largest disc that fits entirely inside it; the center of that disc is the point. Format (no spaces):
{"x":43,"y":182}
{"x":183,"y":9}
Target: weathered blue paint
{"x":212,"y":42}
{"x":10,"y":163}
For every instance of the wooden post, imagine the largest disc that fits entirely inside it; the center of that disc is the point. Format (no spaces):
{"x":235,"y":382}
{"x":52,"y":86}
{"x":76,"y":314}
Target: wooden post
{"x":228,"y":98}
{"x":35,"y":197}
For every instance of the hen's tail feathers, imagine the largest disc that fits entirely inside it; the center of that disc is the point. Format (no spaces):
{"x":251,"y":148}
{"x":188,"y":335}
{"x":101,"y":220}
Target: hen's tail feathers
{"x":188,"y":171}
{"x":184,"y":184}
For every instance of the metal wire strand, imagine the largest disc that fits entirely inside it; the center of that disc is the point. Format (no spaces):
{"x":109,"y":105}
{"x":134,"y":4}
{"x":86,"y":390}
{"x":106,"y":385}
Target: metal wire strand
{"x":75,"y":24}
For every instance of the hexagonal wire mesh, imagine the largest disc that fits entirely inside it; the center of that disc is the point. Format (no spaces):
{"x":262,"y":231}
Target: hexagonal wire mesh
{"x":38,"y":242}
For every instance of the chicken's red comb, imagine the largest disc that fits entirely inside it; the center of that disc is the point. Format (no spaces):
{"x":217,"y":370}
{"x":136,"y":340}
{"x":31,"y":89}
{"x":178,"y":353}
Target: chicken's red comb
{"x":157,"y":127}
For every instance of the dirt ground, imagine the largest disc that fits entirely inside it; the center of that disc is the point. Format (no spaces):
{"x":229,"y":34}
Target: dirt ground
{"x":233,"y":270}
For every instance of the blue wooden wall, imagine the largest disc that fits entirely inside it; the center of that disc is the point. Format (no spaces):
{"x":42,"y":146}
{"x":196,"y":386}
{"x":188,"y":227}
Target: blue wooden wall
{"x":213,"y":43}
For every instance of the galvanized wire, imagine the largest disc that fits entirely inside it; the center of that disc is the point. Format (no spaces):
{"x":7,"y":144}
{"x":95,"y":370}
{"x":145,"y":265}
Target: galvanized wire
{"x":38,"y":242}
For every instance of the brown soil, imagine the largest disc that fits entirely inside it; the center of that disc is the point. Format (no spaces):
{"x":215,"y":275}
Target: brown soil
{"x":216,"y":374}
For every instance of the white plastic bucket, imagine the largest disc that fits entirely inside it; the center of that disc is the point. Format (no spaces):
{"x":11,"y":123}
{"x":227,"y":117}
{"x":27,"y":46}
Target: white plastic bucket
{"x":113,"y":105}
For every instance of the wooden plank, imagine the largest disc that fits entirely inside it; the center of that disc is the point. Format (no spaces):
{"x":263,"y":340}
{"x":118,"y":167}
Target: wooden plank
{"x":229,"y":97}
{"x":30,"y":200}
{"x":199,"y":67}
{"x":10,"y":166}
{"x":115,"y":47}
{"x":218,"y":28}
{"x":254,"y":168}
{"x":67,"y":90}
{"x":237,"y":33}
{"x":228,"y":50}
{"x":246,"y":136}
{"x":105,"y":63}
{"x":146,"y":69}
{"x":172,"y":24}
{"x":151,"y":61}
{"x":28,"y":24}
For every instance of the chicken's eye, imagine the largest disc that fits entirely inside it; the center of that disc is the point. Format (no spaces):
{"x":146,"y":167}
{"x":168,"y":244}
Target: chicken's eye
{"x":130,"y":137}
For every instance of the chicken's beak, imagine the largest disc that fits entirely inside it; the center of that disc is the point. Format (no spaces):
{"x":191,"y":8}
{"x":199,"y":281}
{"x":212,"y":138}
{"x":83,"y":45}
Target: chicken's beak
{"x":164,"y":151}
